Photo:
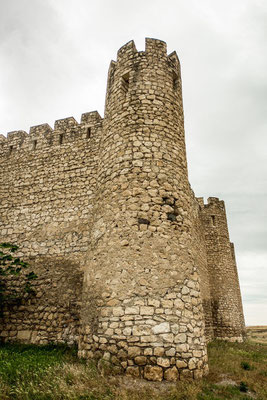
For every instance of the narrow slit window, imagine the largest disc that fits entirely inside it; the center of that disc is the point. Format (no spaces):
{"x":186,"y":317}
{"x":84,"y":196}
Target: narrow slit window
{"x":125,"y":82}
{"x":213,"y":220}
{"x":11,"y":148}
{"x":61,"y":138}
{"x":34,"y":144}
{"x":88,"y":132}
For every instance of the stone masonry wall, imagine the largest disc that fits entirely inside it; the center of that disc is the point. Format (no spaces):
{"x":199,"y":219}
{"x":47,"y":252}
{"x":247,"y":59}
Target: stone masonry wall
{"x":128,"y":260}
{"x":226,"y":303}
{"x":202,"y":266}
{"x":47,"y":185}
{"x":142,"y":307}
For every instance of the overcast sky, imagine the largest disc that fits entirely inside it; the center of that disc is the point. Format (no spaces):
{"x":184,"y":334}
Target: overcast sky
{"x":54,"y":57}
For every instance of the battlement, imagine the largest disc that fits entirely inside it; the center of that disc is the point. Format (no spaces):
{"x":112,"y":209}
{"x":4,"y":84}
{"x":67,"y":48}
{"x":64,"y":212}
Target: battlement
{"x":127,"y":51}
{"x":65,"y":123}
{"x":91,"y":118}
{"x":15,"y":140}
{"x":174,"y":59}
{"x":154,"y":49}
{"x":39,"y":130}
{"x":200,"y":201}
{"x":214,"y":202}
{"x":16,"y":135}
{"x":133,"y":69}
{"x":42,"y":136}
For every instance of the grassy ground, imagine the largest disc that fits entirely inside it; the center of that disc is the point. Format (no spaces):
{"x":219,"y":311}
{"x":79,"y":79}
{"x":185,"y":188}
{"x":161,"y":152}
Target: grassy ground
{"x":237,"y":371}
{"x":257,"y":333}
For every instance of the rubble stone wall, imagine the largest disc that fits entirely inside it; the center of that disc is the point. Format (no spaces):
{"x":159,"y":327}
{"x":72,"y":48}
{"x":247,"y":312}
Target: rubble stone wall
{"x":47,"y":186}
{"x":142,"y":281}
{"x":128,"y":260}
{"x":226,"y":302}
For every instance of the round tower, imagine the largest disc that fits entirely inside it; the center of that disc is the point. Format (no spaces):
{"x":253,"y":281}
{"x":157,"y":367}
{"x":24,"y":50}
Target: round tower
{"x":142,"y":308}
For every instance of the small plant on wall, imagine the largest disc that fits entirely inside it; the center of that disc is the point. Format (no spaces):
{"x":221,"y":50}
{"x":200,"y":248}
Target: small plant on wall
{"x":15,"y":283}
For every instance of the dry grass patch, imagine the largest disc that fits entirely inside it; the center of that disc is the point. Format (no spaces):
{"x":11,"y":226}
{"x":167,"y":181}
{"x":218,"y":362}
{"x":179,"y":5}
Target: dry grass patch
{"x":257,"y":334}
{"x":237,"y":372}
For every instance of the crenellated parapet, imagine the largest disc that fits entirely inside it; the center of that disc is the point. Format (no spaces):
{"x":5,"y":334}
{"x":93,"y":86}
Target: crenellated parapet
{"x":127,"y":51}
{"x":42,"y":136}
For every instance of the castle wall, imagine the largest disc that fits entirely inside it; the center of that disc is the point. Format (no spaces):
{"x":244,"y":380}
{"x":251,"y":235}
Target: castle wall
{"x":142,"y":307}
{"x":200,"y":255}
{"x":47,"y":184}
{"x":130,"y":264}
{"x":226,"y":304}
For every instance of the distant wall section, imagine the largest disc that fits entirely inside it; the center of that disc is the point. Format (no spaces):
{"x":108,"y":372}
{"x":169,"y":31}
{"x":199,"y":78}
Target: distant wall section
{"x":226,"y":304}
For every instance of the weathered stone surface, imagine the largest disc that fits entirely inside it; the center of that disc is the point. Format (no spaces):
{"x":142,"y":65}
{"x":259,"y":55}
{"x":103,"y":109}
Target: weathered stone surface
{"x":164,"y":327}
{"x":132,"y":310}
{"x":171,"y":374}
{"x":133,"y":371}
{"x":180,"y":338}
{"x":24,"y":335}
{"x":118,"y":311}
{"x":147,"y":310}
{"x":182,"y":348}
{"x":141,"y":360}
{"x":171,"y":352}
{"x":181,"y":364}
{"x":134,"y":351}
{"x":140,"y":330}
{"x":159,"y":351}
{"x":192,"y":363}
{"x":153,"y":373}
{"x":163,"y":362}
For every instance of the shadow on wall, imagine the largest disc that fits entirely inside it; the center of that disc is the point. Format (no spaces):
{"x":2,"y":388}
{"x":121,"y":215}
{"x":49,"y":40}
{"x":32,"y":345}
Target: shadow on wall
{"x":53,"y":313}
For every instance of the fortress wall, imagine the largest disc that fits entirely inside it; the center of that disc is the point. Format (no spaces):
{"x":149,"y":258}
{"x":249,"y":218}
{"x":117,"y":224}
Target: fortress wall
{"x":199,"y":249}
{"x":130,"y":264}
{"x":142,"y":307}
{"x":47,"y":185}
{"x":226,"y":303}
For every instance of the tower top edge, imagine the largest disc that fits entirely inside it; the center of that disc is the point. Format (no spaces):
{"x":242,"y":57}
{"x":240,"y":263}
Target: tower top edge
{"x":153,"y":46}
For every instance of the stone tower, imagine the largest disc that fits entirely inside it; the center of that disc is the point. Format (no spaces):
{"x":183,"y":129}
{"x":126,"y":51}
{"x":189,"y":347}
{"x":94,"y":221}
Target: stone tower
{"x":131,"y":265}
{"x":142,"y":306}
{"x":226,"y":303}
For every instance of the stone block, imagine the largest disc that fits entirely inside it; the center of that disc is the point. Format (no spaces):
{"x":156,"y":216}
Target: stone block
{"x":171,"y":374}
{"x":163,"y":362}
{"x":140,"y":360}
{"x":180,"y":338}
{"x":133,"y":371}
{"x":24,"y":335}
{"x":181,"y":364}
{"x":118,"y":311}
{"x":132,"y":310}
{"x":146,"y":310}
{"x":159,"y":351}
{"x":140,"y":330}
{"x":153,"y":373}
{"x":134,"y":351}
{"x":164,"y":327}
{"x":171,"y":352}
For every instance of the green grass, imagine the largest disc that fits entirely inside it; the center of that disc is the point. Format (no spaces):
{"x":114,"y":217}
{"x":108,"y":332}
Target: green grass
{"x":237,"y":372}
